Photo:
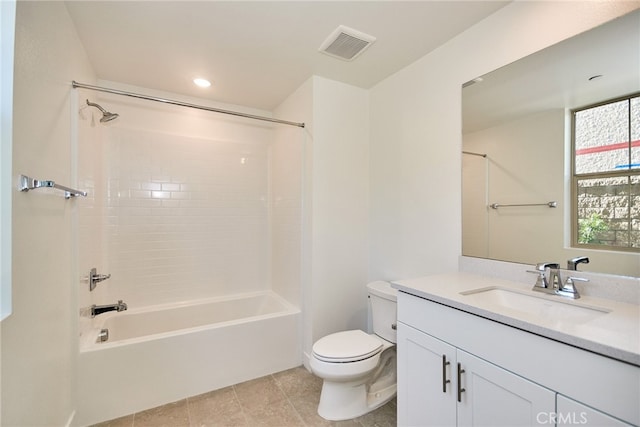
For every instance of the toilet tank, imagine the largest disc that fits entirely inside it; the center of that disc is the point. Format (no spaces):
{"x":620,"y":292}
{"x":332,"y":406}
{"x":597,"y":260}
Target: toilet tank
{"x":383,"y":300}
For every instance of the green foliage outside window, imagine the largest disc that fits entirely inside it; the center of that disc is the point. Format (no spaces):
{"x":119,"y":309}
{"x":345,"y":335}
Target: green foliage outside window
{"x":590,"y":228}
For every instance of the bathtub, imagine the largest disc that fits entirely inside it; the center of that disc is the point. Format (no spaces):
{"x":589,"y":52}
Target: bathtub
{"x":160,"y":354}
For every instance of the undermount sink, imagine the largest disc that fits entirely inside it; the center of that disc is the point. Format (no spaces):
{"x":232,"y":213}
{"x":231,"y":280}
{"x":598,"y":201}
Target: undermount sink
{"x":554,"y":308}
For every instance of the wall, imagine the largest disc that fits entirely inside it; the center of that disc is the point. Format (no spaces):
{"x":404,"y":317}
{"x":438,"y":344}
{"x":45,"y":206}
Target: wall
{"x":335,"y":237}
{"x":416,"y":131}
{"x":39,"y":344}
{"x":7,"y":41}
{"x":291,"y":187}
{"x":299,"y":107}
{"x":340,"y":191}
{"x":525,"y":164}
{"x":187,"y":200}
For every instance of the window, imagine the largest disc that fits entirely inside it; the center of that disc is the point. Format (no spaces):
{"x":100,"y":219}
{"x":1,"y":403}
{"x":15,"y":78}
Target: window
{"x":606,"y":175}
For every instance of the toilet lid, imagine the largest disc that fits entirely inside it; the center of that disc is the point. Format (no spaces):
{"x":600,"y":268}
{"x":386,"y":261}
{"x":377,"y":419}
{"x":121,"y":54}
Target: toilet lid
{"x":347,"y":346}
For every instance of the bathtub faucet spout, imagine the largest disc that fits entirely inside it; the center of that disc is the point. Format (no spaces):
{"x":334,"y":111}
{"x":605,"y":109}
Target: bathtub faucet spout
{"x":99,"y":309}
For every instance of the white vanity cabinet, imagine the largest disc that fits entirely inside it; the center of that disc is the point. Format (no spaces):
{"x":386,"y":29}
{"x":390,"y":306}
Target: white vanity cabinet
{"x":440,"y":385}
{"x":570,"y":412}
{"x":509,"y":377}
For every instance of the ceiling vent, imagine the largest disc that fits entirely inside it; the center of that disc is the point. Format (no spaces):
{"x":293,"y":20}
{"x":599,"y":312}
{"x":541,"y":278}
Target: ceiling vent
{"x":346,"y":43}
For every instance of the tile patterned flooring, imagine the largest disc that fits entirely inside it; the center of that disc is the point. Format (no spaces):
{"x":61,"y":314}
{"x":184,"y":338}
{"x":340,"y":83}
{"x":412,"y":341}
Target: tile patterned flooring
{"x":284,"y":399}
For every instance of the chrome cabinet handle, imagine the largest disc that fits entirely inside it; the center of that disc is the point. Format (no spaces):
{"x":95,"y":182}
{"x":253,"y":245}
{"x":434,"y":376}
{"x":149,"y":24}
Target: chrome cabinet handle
{"x":460,"y":389}
{"x":445,"y":381}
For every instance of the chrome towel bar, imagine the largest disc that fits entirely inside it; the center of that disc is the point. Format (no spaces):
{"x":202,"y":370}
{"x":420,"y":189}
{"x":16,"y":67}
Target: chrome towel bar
{"x":28,"y":183}
{"x":548,"y":204}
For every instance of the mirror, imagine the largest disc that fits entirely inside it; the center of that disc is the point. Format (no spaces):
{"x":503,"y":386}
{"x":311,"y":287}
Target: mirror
{"x":516,"y":146}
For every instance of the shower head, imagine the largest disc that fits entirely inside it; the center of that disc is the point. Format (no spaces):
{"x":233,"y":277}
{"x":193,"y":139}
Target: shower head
{"x":106,"y":115}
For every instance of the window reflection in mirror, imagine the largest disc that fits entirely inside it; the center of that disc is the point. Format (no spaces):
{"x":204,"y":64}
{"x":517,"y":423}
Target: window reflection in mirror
{"x":520,"y":117}
{"x":605,"y":186}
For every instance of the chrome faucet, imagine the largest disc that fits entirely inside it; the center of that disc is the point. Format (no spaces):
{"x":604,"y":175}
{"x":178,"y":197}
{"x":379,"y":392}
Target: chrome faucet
{"x":544,"y":284}
{"x":553,"y":284}
{"x":99,"y":309}
{"x":555,"y":280}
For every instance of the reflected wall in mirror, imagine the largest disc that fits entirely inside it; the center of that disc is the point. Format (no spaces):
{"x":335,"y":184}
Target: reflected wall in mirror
{"x":517,"y":149}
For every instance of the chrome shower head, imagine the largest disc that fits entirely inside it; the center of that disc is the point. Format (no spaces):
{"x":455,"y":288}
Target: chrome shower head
{"x":106,"y":115}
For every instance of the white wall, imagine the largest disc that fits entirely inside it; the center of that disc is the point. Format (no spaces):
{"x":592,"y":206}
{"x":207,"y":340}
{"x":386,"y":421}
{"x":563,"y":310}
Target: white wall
{"x":299,"y":107}
{"x":291,"y":189}
{"x":416,"y":131}
{"x":525,"y":161}
{"x":39,"y":345}
{"x":7,"y":41}
{"x":340,"y":191}
{"x":336,"y":228}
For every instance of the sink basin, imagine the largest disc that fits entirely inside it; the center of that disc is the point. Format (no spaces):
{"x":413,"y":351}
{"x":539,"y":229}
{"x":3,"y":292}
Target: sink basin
{"x":551,"y":307}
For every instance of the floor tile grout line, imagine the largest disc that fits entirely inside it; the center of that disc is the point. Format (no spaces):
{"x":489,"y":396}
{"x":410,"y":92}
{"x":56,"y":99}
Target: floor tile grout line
{"x":242,"y":408}
{"x":303,"y":423}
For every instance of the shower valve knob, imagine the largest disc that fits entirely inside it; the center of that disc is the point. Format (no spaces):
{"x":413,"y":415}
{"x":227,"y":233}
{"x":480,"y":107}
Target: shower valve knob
{"x":95,"y":278}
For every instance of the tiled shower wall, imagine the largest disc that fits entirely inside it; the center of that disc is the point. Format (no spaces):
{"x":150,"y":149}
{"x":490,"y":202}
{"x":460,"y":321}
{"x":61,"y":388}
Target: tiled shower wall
{"x":186,"y":217}
{"x":187,"y":204}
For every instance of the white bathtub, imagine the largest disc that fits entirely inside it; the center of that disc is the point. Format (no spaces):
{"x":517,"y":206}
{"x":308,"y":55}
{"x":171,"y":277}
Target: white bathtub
{"x":161,"y":354}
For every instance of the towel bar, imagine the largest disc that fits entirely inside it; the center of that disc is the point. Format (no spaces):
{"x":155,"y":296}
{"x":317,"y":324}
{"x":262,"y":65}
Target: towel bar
{"x":549,"y":204}
{"x":28,"y":183}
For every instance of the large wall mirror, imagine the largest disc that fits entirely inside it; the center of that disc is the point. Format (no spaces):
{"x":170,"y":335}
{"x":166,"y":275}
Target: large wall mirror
{"x":517,"y":149}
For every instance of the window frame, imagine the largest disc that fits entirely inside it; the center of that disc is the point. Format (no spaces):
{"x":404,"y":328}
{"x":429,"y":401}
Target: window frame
{"x":575,"y":178}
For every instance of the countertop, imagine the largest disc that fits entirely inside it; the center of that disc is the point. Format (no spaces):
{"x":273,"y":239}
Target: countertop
{"x":615,"y":333}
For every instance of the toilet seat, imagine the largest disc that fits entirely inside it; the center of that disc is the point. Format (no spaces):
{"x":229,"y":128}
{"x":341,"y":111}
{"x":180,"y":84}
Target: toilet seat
{"x":347,"y":346}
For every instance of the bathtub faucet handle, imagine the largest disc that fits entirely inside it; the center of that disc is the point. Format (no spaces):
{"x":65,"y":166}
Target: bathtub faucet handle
{"x":95,"y":278}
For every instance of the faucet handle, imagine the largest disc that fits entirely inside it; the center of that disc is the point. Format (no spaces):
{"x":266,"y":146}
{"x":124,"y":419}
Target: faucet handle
{"x":541,"y":281}
{"x":569,"y":289}
{"x":572,"y":264}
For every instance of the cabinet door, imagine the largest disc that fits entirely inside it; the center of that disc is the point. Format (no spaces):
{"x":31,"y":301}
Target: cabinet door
{"x":425,"y":383}
{"x":570,"y":412}
{"x":495,"y":397}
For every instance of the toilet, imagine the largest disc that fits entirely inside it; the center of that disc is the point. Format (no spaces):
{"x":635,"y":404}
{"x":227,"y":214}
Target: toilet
{"x":359,"y":369}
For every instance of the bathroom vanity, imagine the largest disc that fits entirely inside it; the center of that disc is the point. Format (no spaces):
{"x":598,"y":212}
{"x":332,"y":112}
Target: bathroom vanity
{"x":477,"y":350}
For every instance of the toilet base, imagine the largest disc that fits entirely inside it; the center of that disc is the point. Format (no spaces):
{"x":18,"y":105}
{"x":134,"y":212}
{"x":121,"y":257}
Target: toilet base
{"x":344,"y":401}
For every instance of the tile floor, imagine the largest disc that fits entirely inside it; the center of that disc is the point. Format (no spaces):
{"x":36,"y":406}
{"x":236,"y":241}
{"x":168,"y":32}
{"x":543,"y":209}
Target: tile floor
{"x":288,"y":398}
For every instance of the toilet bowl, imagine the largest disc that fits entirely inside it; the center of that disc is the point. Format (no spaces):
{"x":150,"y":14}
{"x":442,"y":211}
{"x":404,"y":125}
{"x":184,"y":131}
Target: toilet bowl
{"x":359,"y":369}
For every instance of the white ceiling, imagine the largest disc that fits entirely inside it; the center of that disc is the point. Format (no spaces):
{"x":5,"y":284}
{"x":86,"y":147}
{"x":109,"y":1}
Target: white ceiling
{"x":256,"y":53}
{"x":559,"y":76}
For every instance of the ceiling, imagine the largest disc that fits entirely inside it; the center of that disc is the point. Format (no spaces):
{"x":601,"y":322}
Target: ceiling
{"x":560,"y":76}
{"x":256,"y":53}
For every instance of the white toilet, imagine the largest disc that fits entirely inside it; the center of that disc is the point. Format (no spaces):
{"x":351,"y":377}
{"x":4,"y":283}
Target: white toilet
{"x":358,"y":369}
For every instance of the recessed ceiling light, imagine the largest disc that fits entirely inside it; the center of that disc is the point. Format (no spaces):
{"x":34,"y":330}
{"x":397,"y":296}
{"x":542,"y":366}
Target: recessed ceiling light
{"x":202,"y":82}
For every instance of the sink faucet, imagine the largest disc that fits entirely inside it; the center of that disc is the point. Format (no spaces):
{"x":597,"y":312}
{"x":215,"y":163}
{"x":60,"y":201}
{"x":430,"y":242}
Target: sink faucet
{"x":99,"y":309}
{"x":553,"y":284}
{"x":572,"y":264}
{"x":544,"y":284}
{"x":555,"y":281}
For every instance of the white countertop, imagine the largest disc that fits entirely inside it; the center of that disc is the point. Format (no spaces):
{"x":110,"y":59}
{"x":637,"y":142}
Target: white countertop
{"x":615,"y":333}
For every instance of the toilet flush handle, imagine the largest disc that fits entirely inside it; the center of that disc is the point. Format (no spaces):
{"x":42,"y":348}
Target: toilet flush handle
{"x":394,"y":326}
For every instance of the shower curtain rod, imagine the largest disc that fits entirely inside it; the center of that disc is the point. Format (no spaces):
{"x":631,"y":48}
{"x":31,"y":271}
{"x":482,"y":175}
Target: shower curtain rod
{"x":183,"y":104}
